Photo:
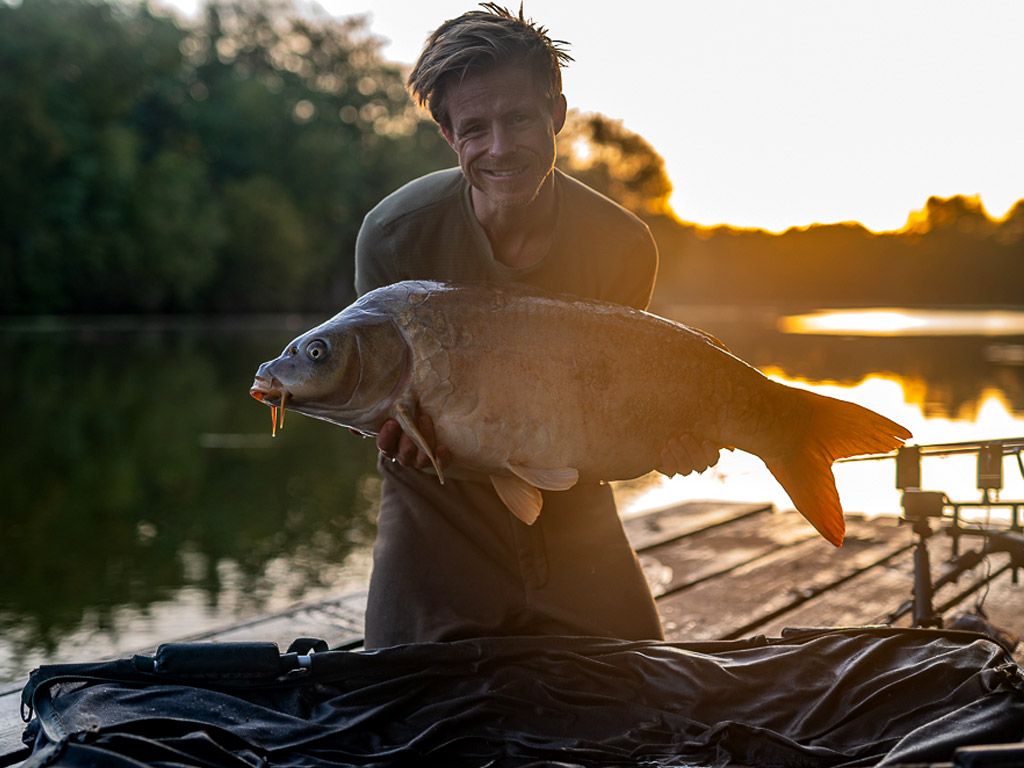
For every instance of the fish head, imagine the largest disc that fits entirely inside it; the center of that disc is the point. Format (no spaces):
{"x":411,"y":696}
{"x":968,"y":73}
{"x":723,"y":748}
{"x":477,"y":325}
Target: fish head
{"x":348,"y":371}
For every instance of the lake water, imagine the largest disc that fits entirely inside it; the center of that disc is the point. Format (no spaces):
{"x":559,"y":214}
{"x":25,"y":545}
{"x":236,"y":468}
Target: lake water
{"x":145,"y":500}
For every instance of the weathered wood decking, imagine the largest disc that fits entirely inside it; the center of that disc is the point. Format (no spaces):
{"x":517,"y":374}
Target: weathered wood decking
{"x":718,"y":571}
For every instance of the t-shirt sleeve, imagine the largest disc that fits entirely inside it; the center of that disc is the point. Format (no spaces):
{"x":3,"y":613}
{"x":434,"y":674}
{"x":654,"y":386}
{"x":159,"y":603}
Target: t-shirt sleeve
{"x":637,"y":284}
{"x":374,"y":257}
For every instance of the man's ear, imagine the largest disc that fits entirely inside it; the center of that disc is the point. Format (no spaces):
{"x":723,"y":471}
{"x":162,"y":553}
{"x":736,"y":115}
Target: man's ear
{"x":560,"y":111}
{"x":448,"y":136}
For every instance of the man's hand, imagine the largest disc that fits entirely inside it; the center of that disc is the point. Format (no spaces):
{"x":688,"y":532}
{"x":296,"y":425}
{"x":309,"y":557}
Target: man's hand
{"x":394,"y":444}
{"x":683,"y":455}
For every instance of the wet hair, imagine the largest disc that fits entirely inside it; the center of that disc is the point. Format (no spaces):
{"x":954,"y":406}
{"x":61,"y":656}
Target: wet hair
{"x":478,"y":41}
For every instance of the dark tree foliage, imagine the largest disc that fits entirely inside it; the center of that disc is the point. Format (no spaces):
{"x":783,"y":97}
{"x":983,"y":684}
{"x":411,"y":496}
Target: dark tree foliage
{"x":150,"y":167}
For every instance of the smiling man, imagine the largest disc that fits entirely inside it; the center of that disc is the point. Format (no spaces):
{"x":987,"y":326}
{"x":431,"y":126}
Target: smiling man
{"x":450,"y":561}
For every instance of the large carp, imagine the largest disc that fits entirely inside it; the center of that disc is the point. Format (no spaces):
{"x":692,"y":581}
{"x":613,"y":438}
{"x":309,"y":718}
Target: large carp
{"x":537,"y":391}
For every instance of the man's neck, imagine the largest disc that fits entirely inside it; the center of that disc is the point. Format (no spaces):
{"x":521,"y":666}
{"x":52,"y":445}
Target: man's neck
{"x":520,"y":236}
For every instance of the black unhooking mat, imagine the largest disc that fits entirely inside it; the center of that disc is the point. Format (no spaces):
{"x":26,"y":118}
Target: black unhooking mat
{"x":824,"y":698}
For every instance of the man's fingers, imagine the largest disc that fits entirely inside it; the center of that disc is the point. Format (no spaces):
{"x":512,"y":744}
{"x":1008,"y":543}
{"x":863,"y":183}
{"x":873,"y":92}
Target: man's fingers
{"x":683,"y":455}
{"x":711,"y":452}
{"x":408,"y":454}
{"x":694,"y":453}
{"x":388,"y":438}
{"x":394,"y":444}
{"x":675,"y":458}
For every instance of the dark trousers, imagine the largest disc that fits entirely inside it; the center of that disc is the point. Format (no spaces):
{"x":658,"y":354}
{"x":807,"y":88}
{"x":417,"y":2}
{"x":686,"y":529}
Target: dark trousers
{"x":451,"y":562}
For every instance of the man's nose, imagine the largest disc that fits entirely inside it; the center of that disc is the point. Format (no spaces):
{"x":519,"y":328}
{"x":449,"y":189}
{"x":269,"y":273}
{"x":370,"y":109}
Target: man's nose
{"x":502,"y":141}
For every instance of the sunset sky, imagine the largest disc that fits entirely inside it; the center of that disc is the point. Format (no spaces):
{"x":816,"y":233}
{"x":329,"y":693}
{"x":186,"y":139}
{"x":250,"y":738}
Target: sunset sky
{"x":789,"y":112}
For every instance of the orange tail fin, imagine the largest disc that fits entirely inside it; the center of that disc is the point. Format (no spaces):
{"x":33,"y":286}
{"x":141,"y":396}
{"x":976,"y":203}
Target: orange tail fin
{"x":834,"y":429}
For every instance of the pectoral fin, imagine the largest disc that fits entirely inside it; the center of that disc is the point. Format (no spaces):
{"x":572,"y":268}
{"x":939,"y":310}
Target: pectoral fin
{"x":522,"y":499}
{"x":547,"y":479}
{"x":408,"y":425}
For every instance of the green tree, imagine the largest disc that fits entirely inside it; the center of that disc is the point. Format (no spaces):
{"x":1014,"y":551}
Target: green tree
{"x":150,"y":167}
{"x":74,"y":75}
{"x":308,"y":102}
{"x":266,"y":260}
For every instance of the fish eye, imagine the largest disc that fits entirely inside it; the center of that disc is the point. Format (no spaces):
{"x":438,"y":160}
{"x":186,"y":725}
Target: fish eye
{"x":316,"y":350}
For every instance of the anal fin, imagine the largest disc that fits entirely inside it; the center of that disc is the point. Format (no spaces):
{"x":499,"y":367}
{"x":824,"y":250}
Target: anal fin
{"x":522,"y":499}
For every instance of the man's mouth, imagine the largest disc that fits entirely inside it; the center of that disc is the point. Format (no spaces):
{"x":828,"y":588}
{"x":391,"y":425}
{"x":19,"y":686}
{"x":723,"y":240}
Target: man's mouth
{"x":504,"y":173}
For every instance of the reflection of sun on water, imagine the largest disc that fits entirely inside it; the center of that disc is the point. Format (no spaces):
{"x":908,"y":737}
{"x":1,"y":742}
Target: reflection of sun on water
{"x":867,"y":487}
{"x":905,"y":322}
{"x":882,"y":322}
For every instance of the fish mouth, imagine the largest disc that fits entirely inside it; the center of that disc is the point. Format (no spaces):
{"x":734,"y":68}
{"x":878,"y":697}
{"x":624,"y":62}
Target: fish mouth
{"x":273,"y":393}
{"x":268,"y":391}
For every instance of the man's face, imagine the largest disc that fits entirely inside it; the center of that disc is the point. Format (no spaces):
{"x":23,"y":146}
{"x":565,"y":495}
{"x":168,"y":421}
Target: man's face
{"x":504,"y":134}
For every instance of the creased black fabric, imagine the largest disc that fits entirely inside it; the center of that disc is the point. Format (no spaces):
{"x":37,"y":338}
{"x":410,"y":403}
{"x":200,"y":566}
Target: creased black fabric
{"x":836,"y":698}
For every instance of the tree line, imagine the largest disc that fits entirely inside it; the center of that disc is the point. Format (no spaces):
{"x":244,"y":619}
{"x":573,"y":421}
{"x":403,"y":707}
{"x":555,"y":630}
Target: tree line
{"x":225,"y":165}
{"x":949,"y":253}
{"x":148,"y":166}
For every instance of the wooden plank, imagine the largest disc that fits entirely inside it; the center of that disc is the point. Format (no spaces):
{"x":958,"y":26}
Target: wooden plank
{"x":338,"y":620}
{"x":752,"y":595}
{"x":965,"y":591}
{"x":655,"y":527}
{"x":871,"y":596}
{"x":1003,"y":607}
{"x":863,"y":600}
{"x":940,"y":551}
{"x":11,"y":727}
{"x":713,"y":552}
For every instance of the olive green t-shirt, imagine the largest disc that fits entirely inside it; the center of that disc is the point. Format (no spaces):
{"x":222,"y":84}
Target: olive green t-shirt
{"x":426,"y":230}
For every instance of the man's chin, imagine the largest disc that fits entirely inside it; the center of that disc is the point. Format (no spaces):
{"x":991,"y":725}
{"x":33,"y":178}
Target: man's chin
{"x":510,"y":200}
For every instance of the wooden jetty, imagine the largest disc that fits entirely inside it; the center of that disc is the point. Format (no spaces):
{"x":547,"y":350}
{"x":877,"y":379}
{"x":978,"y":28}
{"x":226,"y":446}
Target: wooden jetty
{"x":718,"y":570}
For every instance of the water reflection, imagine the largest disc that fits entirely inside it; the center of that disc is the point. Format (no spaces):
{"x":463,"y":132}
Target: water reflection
{"x":139,"y":476}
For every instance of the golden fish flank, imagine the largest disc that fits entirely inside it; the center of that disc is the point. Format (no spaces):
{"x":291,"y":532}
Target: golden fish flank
{"x":535,"y":391}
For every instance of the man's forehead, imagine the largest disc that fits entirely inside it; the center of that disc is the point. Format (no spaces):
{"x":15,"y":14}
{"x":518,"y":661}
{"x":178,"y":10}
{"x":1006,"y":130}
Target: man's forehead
{"x":495,"y":89}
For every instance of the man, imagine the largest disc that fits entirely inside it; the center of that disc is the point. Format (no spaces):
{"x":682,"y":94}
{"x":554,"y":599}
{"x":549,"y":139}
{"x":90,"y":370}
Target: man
{"x":451,"y":561}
